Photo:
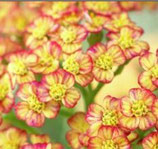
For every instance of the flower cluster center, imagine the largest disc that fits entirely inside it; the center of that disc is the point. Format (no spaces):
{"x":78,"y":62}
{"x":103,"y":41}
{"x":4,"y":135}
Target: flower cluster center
{"x":125,"y":41}
{"x":35,"y":104}
{"x":3,"y":91}
{"x":19,"y":68}
{"x":104,"y":61}
{"x":57,"y":91}
{"x":119,"y":22}
{"x":11,"y":145}
{"x":56,"y":7}
{"x":109,"y":144}
{"x":68,"y":35}
{"x":46,"y":60}
{"x":109,"y":118}
{"x":101,"y":6}
{"x":139,"y":108}
{"x":71,"y":65}
{"x":154,"y":71}
{"x":41,"y":29}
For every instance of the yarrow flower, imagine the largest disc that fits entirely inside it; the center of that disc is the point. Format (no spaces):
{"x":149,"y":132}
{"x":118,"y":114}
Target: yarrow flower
{"x":104,"y":114}
{"x":58,"y":87}
{"x":109,"y":138}
{"x":70,"y":38}
{"x":137,"y":109}
{"x":31,"y":109}
{"x":12,"y":138}
{"x":77,"y":137}
{"x":106,"y":60}
{"x":128,"y":40}
{"x":39,"y":31}
{"x":48,"y":58}
{"x":149,"y":78}
{"x":80,"y":65}
{"x":19,"y":66}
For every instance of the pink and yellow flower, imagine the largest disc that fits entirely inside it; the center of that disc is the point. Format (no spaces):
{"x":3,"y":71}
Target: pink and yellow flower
{"x":48,"y":58}
{"x":70,"y":38}
{"x":20,"y":64}
{"x":39,"y":31}
{"x":106,"y":60}
{"x":58,"y":87}
{"x":117,"y":21}
{"x":109,"y":138}
{"x":104,"y":114}
{"x":12,"y":138}
{"x":6,"y":94}
{"x":77,"y":137}
{"x":31,"y":109}
{"x":128,"y":40}
{"x":95,"y":22}
{"x":149,"y":78}
{"x":38,"y":146}
{"x":80,"y":65}
{"x":150,"y":141}
{"x":137,"y":109}
{"x":103,"y":8}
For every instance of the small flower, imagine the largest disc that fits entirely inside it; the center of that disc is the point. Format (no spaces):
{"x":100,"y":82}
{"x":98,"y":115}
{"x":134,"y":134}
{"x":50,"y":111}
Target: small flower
{"x":39,"y":31}
{"x":149,"y":78}
{"x":137,"y":109}
{"x":19,"y":66}
{"x":103,"y":114}
{"x":128,"y":40}
{"x":95,"y":22}
{"x":48,"y":58}
{"x":150,"y":141}
{"x":12,"y":138}
{"x":109,"y":138}
{"x":31,"y":109}
{"x":58,"y":87}
{"x":77,"y":136}
{"x":106,"y":60}
{"x":80,"y":65}
{"x":117,"y":21}
{"x":6,"y":94}
{"x":103,"y":8}
{"x":70,"y":38}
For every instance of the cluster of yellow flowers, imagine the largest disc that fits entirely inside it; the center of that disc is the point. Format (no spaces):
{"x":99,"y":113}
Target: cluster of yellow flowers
{"x":45,"y":67}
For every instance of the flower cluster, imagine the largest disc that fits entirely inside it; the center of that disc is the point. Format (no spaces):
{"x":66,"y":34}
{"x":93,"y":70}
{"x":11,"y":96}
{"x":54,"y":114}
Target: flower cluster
{"x":45,"y":67}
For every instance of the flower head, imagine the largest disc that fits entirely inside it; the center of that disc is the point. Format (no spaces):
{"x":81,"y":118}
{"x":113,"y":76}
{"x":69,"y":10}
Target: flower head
{"x":70,"y":38}
{"x":104,"y":114}
{"x":106,"y":60}
{"x":39,"y":31}
{"x":19,"y":66}
{"x":58,"y":87}
{"x":31,"y":109}
{"x":137,"y":110}
{"x":128,"y":40}
{"x":80,"y":65}
{"x":109,"y":138}
{"x":77,"y":136}
{"x":48,"y":58}
{"x":12,"y":138}
{"x":149,"y":78}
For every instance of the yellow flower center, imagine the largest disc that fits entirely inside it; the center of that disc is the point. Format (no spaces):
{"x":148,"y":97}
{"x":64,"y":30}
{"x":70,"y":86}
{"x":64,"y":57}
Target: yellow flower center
{"x":19,"y":68}
{"x":109,"y":118}
{"x":35,"y":104}
{"x":109,"y":144}
{"x":154,"y":71}
{"x":97,"y":21}
{"x":46,"y":59}
{"x":100,"y":6}
{"x":71,"y":65}
{"x":104,"y":61}
{"x":121,"y":21}
{"x":20,"y":23}
{"x":41,"y":29}
{"x":11,"y":145}
{"x":68,"y":35}
{"x":139,"y":108}
{"x":57,"y":91}
{"x":3,"y":91}
{"x":125,"y":41}
{"x":59,"y":6}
